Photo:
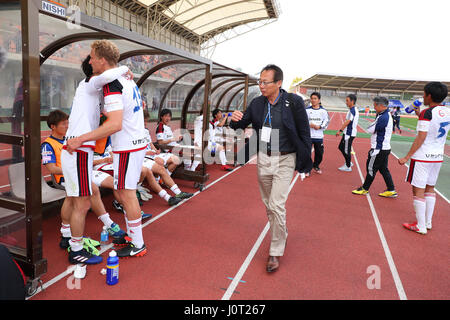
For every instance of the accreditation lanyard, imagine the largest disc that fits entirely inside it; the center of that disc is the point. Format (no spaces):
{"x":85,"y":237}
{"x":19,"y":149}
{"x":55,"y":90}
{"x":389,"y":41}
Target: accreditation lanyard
{"x":266,"y":131}
{"x":269,"y":113}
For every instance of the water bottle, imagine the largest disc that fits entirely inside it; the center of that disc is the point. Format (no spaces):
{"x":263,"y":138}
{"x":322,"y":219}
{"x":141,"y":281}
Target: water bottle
{"x":213,"y":150}
{"x":112,"y":269}
{"x":104,"y":236}
{"x":416,"y":104}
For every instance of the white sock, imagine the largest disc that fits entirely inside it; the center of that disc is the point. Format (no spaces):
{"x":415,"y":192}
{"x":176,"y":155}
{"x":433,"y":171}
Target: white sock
{"x":187,"y":164}
{"x":76,"y":243}
{"x":430,"y":199}
{"x":195,"y":164}
{"x":420,"y":207}
{"x":135,"y":227}
{"x":168,"y":172}
{"x":223,"y":158}
{"x":175,"y":189}
{"x":126,"y":223}
{"x":106,"y":220}
{"x":65,"y":230}
{"x":163,"y":194}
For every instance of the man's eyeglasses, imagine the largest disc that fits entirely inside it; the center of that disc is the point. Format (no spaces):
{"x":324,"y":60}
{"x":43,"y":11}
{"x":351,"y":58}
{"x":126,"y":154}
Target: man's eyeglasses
{"x":264,"y":83}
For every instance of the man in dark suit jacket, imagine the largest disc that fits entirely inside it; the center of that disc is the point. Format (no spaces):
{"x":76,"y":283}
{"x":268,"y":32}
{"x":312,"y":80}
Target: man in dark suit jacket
{"x":284,"y":145}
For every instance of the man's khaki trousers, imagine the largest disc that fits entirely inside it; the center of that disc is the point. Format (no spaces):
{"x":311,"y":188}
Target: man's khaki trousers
{"x":275,"y":174}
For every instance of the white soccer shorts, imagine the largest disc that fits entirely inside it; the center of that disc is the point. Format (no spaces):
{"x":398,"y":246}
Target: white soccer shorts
{"x":127,"y":169}
{"x":77,"y":171}
{"x":148,"y":163}
{"x":421,"y":174}
{"x":98,"y":177}
{"x":163,"y":155}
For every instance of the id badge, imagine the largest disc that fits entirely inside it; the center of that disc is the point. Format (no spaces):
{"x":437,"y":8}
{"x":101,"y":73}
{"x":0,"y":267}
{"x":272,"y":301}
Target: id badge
{"x":265,"y":134}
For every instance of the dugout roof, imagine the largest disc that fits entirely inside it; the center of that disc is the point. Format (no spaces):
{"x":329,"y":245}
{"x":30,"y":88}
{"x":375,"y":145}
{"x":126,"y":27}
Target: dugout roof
{"x":192,"y":19}
{"x":340,"y":82}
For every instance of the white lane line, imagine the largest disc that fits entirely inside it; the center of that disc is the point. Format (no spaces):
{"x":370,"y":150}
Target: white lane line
{"x":237,"y":278}
{"x":71,"y":268}
{"x":387,"y":252}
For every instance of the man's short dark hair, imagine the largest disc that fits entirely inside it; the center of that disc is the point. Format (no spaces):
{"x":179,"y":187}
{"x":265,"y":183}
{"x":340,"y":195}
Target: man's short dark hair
{"x":278,"y":73}
{"x":315,"y":93}
{"x":437,"y":90}
{"x":215,"y":112}
{"x":56,"y":117}
{"x":86,"y":67}
{"x":164,"y":112}
{"x":352,"y":97}
{"x":381,"y":100}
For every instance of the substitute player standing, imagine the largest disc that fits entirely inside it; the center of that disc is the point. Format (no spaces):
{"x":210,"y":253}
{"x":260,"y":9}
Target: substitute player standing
{"x":380,"y":143}
{"x":318,"y":122}
{"x":427,"y":155}
{"x":351,"y":123}
{"x":125,"y":125}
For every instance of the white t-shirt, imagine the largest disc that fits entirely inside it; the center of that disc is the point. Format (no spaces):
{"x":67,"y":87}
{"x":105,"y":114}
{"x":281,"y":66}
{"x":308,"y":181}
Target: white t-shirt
{"x":123,"y":94}
{"x":436,"y":122}
{"x":164,"y":132}
{"x":86,"y":107}
{"x":353,"y":116}
{"x":198,"y":131}
{"x":318,"y":117}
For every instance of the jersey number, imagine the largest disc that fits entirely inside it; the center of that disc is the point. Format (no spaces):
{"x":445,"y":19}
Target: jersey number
{"x":137,"y":99}
{"x":441,"y":128}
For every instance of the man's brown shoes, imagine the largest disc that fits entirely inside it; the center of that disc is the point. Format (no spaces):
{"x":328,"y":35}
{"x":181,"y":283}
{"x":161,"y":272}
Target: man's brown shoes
{"x":272,"y":264}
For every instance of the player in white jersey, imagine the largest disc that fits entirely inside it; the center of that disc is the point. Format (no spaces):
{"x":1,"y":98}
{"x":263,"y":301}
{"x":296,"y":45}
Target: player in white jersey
{"x":350,"y":125}
{"x":198,"y":141}
{"x":166,"y":139}
{"x":125,"y":125}
{"x":216,"y":140}
{"x":380,"y":143}
{"x":77,"y":166}
{"x":318,"y":122}
{"x":427,"y":155}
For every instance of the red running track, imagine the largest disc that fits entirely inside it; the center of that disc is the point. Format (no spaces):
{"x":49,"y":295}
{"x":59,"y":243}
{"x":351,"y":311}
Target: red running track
{"x":198,"y":246}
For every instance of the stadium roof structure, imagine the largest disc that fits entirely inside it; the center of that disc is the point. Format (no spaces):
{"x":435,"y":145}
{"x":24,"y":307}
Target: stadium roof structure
{"x":200,"y":20}
{"x":340,"y":82}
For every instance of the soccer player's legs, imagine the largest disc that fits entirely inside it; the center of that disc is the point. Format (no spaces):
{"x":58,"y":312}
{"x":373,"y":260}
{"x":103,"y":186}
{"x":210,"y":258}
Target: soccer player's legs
{"x":422,"y":175}
{"x":430,"y":194}
{"x":172,"y":162}
{"x":162,"y":172}
{"x":77,"y":171}
{"x":127,"y":173}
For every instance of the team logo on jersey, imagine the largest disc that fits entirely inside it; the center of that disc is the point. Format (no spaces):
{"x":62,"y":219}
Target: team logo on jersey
{"x":140,"y":141}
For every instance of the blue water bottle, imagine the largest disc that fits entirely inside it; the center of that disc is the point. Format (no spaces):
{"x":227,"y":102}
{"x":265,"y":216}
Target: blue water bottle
{"x":104,"y":236}
{"x":213,"y":150}
{"x":416,"y":104}
{"x":112,"y":269}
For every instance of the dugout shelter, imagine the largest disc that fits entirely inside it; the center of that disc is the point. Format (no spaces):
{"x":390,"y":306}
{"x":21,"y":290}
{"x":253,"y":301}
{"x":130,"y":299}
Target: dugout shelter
{"x":45,"y":44}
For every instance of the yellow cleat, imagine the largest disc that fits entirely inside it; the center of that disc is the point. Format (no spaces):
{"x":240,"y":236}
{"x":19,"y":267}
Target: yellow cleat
{"x":360,"y":190}
{"x":389,"y":194}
